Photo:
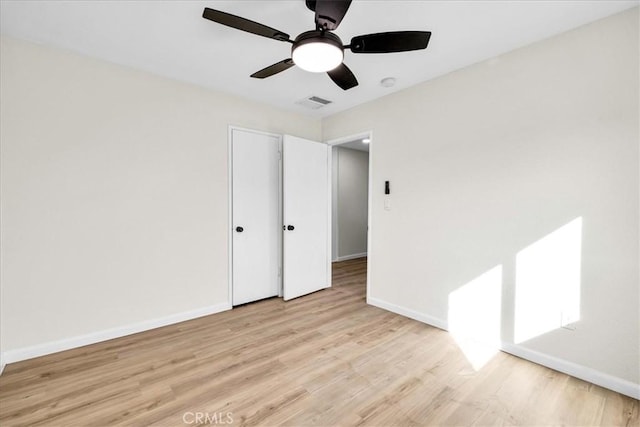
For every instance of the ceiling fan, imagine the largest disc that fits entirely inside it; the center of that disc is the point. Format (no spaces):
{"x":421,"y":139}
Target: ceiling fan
{"x":321,"y":50}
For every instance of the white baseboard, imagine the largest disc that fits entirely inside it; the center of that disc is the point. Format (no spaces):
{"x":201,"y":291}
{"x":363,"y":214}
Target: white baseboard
{"x":584,"y":373}
{"x":2,"y":364}
{"x":610,"y":382}
{"x":12,"y":356}
{"x":348,"y":257}
{"x":407,"y":312}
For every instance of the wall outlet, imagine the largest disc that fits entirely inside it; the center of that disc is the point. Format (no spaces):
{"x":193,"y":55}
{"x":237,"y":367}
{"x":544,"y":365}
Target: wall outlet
{"x":567,"y":321}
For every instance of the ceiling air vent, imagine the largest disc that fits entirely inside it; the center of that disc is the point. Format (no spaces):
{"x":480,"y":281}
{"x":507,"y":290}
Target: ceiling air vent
{"x":313,"y":102}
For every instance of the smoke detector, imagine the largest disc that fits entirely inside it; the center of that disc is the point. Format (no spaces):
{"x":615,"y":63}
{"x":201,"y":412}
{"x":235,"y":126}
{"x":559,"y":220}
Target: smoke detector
{"x":388,"y":81}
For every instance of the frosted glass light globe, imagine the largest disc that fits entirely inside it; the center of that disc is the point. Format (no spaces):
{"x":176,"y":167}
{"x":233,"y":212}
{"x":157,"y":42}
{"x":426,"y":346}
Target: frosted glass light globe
{"x":317,"y":57}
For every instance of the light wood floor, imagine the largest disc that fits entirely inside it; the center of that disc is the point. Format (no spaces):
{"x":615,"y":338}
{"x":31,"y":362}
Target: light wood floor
{"x":324,"y":359}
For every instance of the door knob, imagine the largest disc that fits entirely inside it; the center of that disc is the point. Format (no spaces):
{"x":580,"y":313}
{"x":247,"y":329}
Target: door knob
{"x":290,"y":227}
{"x":239,"y":229}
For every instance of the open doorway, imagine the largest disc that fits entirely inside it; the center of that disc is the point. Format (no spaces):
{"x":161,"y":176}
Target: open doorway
{"x":350,"y":213}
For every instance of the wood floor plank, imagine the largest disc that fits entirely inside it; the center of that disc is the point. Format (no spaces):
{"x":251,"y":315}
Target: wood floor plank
{"x":326,"y":359}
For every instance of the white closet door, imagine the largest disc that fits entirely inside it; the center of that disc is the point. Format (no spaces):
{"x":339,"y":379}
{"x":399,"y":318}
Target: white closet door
{"x":306,"y":217}
{"x":256,"y":216}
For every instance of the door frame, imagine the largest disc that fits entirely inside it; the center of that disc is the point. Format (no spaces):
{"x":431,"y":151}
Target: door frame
{"x":336,"y":142}
{"x":231,"y":128}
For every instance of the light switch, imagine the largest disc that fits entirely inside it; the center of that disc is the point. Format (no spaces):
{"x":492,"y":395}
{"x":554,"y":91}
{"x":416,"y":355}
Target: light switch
{"x":387,"y":204}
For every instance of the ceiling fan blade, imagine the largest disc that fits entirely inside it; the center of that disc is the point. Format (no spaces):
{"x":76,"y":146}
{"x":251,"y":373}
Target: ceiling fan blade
{"x":329,"y":13}
{"x":343,"y":77}
{"x":244,"y":24}
{"x":273,"y":69}
{"x":397,"y":41}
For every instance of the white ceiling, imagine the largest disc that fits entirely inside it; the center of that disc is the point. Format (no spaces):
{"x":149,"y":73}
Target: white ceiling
{"x":170,"y":38}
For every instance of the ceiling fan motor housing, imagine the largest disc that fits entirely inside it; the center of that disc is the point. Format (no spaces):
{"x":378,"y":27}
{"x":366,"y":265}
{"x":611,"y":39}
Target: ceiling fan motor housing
{"x":317,"y":36}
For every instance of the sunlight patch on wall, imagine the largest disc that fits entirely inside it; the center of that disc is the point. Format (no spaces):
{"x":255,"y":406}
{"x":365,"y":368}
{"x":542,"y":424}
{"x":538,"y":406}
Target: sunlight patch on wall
{"x":548,"y":282}
{"x":474,"y":317}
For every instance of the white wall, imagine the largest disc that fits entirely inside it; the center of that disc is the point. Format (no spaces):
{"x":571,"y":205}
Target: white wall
{"x":114,"y":194}
{"x":486,"y":161}
{"x":350,"y":184}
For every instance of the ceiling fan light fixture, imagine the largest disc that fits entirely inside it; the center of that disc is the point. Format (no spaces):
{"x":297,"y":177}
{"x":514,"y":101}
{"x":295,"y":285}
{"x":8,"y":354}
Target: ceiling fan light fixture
{"x":317,"y":57}
{"x":320,"y":50}
{"x":317,"y":51}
